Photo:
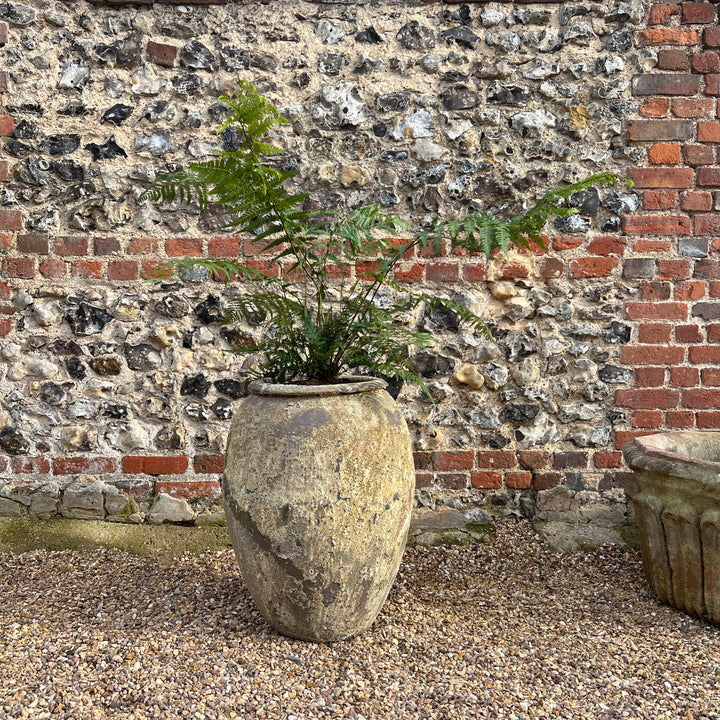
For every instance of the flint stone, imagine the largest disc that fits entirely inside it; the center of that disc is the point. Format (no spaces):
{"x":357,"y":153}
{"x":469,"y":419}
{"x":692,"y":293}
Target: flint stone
{"x":542,"y":432}
{"x":146,"y":82}
{"x":521,"y":412}
{"x":117,"y":114}
{"x":189,"y":84}
{"x":167,"y":509}
{"x":426,"y":151}
{"x":54,"y":393}
{"x":195,"y":385}
{"x":614,"y":374}
{"x":485,"y":418}
{"x":231,"y":388}
{"x":12,"y":442}
{"x":74,"y":75}
{"x":9,"y":508}
{"x":343,"y":104}
{"x":620,"y":41}
{"x":393,"y":101}
{"x":198,"y":411}
{"x":171,"y":437}
{"x":83,"y":501}
{"x":370,"y":35}
{"x":76,"y":369}
{"x":209,"y":310}
{"x":107,"y":150}
{"x":428,"y":364}
{"x":588,"y":436}
{"x":414,"y":36}
{"x":158,"y":143}
{"x":328,"y":32}
{"x":496,"y":376}
{"x":197,"y":56}
{"x":104,"y":366}
{"x":87,"y":319}
{"x":460,"y":97}
{"x":142,"y":357}
{"x":81,"y":409}
{"x":222,"y":409}
{"x":331,"y":63}
{"x":62,"y":144}
{"x":462,"y":35}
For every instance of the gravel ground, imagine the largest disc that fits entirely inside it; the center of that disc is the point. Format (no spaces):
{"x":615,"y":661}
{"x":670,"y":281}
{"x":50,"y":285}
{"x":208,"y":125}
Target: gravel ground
{"x":503,"y":630}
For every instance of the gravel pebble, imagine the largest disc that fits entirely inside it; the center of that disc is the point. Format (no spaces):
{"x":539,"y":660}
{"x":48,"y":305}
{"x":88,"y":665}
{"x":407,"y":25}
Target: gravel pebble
{"x":502,"y":630}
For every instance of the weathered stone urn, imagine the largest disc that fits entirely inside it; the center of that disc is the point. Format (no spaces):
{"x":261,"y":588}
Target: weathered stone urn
{"x":676,"y":497}
{"x":318,"y":492}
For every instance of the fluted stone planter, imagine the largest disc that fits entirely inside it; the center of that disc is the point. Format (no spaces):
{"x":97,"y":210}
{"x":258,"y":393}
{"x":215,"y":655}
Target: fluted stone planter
{"x":318,"y":494}
{"x":676,"y":497}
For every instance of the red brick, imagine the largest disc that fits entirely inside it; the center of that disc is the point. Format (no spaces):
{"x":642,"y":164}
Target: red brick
{"x":712,"y":84}
{"x":700,"y":354}
{"x":546,"y":480}
{"x":688,"y":334}
{"x":224,"y":247}
{"x":713,"y":333}
{"x":660,"y":13}
{"x":665,"y":154}
{"x":651,"y":355}
{"x":607,"y":459}
{"x":519,"y":480}
{"x":3,"y":464}
{"x":86,"y":269}
{"x":660,"y":200}
{"x":646,"y":246}
{"x":84,"y":465}
{"x":143,"y":246}
{"x":161,"y":54}
{"x":209,"y":463}
{"x":660,"y":130}
{"x":266,"y":267}
{"x":656,"y":107}
{"x":452,"y":481}
{"x":53,"y":268}
{"x":693,"y":107}
{"x":513,"y":271}
{"x":155,"y":464}
{"x":32,"y":244}
{"x":650,"y":419}
{"x":454,"y":460}
{"x":654,"y":333}
{"x":486,"y":480}
{"x":4,"y":170}
{"x":701,"y":398}
{"x":607,"y":245}
{"x":656,"y":311}
{"x":696,"y":201}
{"x":673,"y":59}
{"x":410,"y":272}
{"x":496,"y":459}
{"x":707,"y":420}
{"x":474,"y":272}
{"x":662,"y":177}
{"x":707,"y":268}
{"x":708,"y":132}
{"x":123,"y":270}
{"x":649,"y":376}
{"x":5,"y":328}
{"x":708,"y":177}
{"x":189,"y":489}
{"x":19,"y":268}
{"x":10,"y":220}
{"x":679,"y":418}
{"x":698,"y":155}
{"x":566,"y":243}
{"x":684,"y":376}
{"x":711,"y":37}
{"x":647,"y":398}
{"x":422,"y":460}
{"x":700,"y":13}
{"x":668,"y":36}
{"x":424,"y":480}
{"x":706,"y":225}
{"x":587,"y":267}
{"x":710,"y":377}
{"x":4,"y":27}
{"x":674,"y":269}
{"x":6,"y":125}
{"x":705,"y":62}
{"x":30,"y":465}
{"x":106,"y":246}
{"x":442,"y":272}
{"x":71,"y":246}
{"x":5,"y":291}
{"x":657,"y":224}
{"x":534,"y":459}
{"x":623,"y":437}
{"x":566,"y":460}
{"x":690,"y":290}
{"x":551,"y":268}
{"x":184,"y":247}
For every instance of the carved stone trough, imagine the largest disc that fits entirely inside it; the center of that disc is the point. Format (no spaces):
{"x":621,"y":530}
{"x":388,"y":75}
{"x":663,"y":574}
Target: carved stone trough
{"x":676,"y":497}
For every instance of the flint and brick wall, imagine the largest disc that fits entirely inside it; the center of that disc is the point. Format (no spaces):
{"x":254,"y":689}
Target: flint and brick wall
{"x":110,"y":380}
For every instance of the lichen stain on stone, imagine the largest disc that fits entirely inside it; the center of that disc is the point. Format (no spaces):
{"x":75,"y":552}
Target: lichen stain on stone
{"x":304,"y":424}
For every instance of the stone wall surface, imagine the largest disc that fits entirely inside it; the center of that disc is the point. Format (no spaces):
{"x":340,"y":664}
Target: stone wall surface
{"x":116,"y":392}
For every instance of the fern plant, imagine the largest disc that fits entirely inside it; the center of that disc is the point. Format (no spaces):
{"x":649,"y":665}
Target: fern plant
{"x":321,"y":313}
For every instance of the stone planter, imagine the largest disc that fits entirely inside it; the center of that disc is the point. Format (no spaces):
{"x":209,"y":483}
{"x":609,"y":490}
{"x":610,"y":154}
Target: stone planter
{"x":318,"y":492}
{"x":676,"y":497}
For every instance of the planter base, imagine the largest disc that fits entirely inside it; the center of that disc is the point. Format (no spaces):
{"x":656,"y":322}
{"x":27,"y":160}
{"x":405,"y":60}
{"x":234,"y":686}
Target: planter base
{"x":676,"y":498}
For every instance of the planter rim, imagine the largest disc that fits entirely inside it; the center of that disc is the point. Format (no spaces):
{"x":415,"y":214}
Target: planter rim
{"x":349,"y":385}
{"x":675,"y":454}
